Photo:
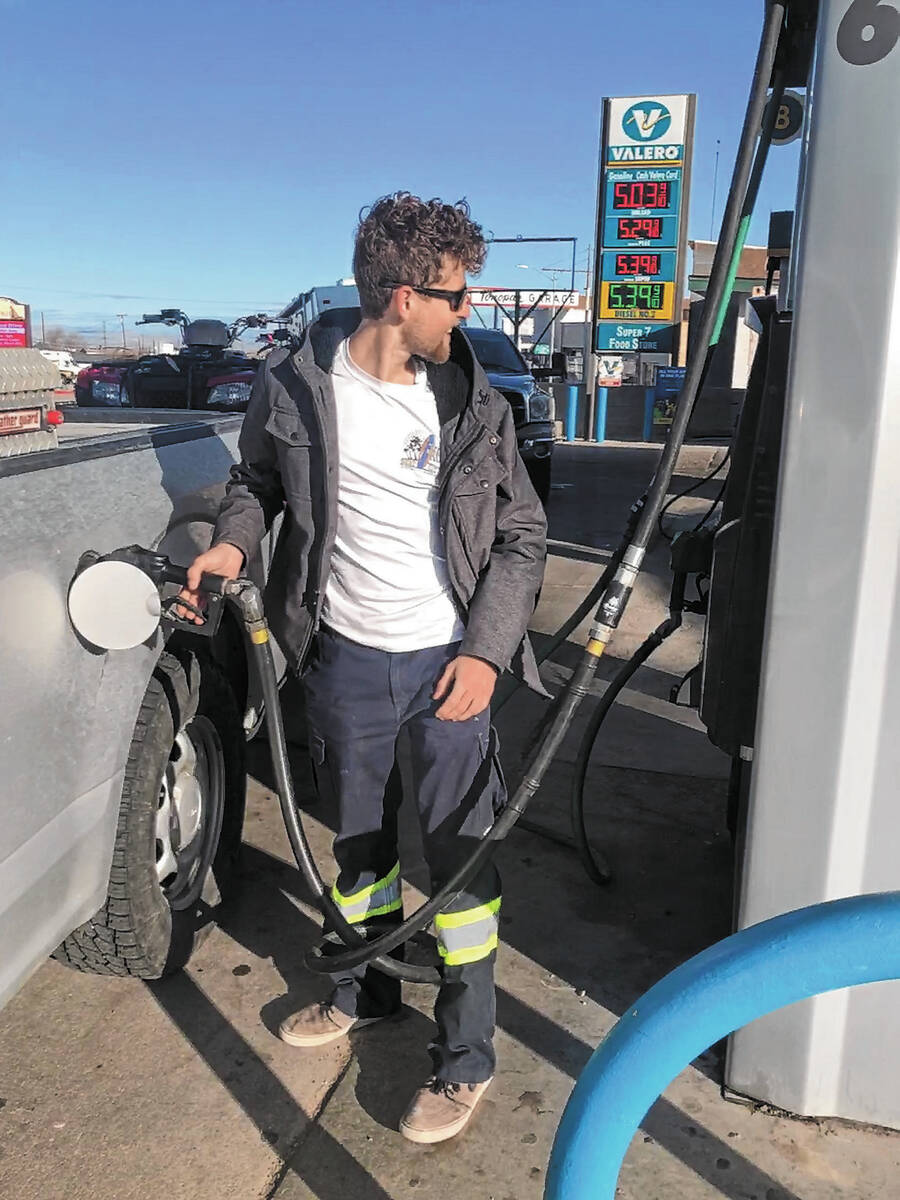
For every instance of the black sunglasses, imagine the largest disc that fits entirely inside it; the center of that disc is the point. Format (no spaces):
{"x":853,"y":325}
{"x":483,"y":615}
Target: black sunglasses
{"x":454,"y":299}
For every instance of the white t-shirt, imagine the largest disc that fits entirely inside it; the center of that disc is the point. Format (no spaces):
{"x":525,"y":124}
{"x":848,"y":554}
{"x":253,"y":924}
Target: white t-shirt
{"x":388,"y":587}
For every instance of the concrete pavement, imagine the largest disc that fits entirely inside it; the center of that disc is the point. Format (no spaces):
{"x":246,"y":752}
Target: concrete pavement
{"x":111,"y":1089}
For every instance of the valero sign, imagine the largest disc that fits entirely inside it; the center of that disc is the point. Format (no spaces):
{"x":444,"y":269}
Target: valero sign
{"x":642,"y":220}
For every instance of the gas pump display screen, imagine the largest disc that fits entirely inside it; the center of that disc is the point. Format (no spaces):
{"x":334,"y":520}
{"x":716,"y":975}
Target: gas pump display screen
{"x":633,"y":299}
{"x":646,"y":193}
{"x":638,"y":264}
{"x":642,"y":228}
{"x":636,"y":295}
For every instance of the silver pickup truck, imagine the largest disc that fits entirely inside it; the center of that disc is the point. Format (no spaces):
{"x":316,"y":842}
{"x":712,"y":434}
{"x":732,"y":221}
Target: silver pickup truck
{"x":121,"y":775}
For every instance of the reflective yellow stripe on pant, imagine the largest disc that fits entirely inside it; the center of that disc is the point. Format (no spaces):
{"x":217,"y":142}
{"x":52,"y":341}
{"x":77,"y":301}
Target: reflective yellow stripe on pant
{"x":382,"y":896}
{"x":469,"y":935}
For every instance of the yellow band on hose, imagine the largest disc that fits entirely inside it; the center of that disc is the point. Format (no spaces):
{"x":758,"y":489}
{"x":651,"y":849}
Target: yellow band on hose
{"x":594,"y":647}
{"x":258,"y":636}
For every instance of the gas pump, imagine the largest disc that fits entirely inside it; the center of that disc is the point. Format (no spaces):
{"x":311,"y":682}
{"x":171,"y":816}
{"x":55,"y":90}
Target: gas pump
{"x":802,"y":656}
{"x":798,"y":680}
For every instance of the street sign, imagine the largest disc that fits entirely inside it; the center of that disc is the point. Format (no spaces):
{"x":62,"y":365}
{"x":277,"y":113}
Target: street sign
{"x":642,"y":221}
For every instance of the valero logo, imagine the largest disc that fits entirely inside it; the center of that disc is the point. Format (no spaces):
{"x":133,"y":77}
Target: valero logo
{"x":647,"y":120}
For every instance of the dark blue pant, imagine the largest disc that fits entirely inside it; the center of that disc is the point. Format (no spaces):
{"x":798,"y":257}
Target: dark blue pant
{"x":358,"y":700}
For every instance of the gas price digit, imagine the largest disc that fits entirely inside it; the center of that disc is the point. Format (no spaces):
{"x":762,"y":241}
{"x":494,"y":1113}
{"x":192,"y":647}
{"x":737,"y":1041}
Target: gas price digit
{"x":649,"y":296}
{"x":642,"y":194}
{"x":645,"y":228}
{"x":637,"y":264}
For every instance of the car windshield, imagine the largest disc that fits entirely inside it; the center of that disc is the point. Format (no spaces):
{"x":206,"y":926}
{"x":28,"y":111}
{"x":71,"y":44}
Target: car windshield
{"x":495,"y":351}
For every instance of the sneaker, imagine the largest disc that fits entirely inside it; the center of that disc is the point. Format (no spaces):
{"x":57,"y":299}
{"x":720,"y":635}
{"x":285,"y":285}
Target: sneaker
{"x":440,"y":1110}
{"x":319,"y":1024}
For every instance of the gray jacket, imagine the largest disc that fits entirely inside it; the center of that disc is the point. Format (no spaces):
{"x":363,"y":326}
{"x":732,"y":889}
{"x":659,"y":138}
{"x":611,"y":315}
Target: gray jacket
{"x":491,"y":519}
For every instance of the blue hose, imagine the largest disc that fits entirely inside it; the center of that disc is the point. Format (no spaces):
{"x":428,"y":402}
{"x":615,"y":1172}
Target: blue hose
{"x":800,"y":954}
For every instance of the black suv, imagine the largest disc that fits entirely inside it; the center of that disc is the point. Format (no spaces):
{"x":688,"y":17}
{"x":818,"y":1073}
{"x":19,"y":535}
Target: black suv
{"x":532,"y":408}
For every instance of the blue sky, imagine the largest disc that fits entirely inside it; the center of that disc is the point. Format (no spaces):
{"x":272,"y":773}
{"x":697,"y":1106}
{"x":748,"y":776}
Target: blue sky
{"x":214,"y":156}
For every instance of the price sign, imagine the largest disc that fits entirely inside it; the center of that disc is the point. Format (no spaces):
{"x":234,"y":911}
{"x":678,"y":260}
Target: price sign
{"x":635,"y":301}
{"x":636,"y":263}
{"x":640,"y":231}
{"x":642,"y":218}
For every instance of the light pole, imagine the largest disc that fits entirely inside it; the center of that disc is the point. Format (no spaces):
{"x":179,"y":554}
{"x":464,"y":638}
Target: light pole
{"x":551,"y":272}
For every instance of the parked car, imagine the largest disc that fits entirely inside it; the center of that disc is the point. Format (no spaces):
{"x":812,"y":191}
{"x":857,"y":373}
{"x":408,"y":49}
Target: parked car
{"x":532,"y":407}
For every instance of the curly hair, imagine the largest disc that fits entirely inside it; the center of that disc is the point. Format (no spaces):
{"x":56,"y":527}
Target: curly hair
{"x":405,"y":238}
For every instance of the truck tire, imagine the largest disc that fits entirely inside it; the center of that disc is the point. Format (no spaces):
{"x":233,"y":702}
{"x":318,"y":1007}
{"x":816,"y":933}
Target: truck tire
{"x":179,"y":833}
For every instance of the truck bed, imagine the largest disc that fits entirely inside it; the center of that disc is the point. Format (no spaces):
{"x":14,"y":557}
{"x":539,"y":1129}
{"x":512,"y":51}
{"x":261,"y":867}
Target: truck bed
{"x":100,"y":433}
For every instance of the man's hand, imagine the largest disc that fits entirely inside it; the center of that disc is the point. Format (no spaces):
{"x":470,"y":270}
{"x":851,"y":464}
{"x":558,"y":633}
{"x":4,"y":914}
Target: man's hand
{"x":223,"y":559}
{"x":470,"y":683}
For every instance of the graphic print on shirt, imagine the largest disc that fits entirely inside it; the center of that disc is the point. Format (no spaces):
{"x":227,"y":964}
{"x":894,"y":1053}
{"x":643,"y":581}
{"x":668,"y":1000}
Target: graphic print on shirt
{"x":421,"y":453}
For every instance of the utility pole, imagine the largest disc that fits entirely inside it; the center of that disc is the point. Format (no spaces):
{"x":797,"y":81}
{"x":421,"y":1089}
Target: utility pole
{"x":712,"y":211}
{"x":121,"y":317}
{"x":104,"y":335}
{"x":43,"y":333}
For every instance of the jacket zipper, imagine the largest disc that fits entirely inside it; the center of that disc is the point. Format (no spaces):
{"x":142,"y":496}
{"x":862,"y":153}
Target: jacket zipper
{"x":320,"y":581}
{"x":445,"y":497}
{"x":445,"y":515}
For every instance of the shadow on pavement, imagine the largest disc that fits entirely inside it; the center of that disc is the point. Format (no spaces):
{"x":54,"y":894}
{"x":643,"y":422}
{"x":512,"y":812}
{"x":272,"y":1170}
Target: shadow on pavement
{"x":392,"y":1058}
{"x":259,"y":1092}
{"x":707,"y":1155}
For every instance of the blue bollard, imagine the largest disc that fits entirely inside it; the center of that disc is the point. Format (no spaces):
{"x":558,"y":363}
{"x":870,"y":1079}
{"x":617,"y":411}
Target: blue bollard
{"x":791,"y":957}
{"x":600,"y":414}
{"x":649,"y":401}
{"x":571,"y":412}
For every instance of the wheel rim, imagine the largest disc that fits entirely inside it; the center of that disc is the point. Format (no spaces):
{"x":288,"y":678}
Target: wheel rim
{"x":189,"y":812}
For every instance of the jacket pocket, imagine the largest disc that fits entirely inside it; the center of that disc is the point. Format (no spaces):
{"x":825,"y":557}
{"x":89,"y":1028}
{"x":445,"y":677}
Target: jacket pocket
{"x":479,"y":478}
{"x":293,"y":444}
{"x":286,"y":426}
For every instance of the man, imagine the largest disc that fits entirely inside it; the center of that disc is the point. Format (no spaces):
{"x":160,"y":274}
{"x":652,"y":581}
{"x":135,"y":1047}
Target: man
{"x":406,"y":569}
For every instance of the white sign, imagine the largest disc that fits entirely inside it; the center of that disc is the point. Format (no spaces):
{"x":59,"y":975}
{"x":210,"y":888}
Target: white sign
{"x":647,"y":121}
{"x":551,"y":298}
{"x":609,"y":370}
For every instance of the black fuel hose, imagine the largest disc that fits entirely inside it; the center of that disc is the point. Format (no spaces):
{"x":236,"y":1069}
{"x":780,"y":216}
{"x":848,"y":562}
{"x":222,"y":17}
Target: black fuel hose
{"x":595,"y":864}
{"x":739,"y":206}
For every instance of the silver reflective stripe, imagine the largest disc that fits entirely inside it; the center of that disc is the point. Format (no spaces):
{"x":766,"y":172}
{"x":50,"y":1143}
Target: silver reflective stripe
{"x":382,"y":896}
{"x":467,"y":936}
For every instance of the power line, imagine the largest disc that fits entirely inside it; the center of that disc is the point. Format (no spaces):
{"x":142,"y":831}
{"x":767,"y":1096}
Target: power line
{"x":21,"y":287}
